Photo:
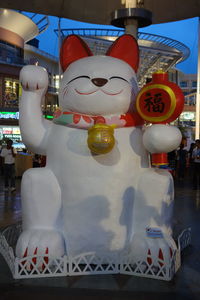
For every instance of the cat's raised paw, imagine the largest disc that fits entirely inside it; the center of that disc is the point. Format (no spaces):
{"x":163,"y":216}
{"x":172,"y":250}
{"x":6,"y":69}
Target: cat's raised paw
{"x":34,"y":78}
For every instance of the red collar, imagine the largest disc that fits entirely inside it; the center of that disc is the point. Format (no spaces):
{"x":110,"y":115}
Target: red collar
{"x":78,"y":120}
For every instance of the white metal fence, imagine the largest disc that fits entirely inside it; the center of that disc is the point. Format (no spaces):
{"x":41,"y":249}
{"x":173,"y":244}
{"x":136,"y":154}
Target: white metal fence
{"x":88,"y":263}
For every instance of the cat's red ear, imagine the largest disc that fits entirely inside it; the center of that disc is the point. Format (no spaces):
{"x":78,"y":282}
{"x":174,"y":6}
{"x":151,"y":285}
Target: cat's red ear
{"x":73,"y":48}
{"x":126,"y":48}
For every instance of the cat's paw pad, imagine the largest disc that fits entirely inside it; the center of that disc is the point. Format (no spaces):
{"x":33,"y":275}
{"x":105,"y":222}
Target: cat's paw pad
{"x":155,"y":253}
{"x":33,"y":78}
{"x":35,"y":244}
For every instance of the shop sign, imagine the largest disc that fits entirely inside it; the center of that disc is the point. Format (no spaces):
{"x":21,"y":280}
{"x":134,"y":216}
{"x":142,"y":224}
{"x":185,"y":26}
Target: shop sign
{"x":12,"y":136}
{"x":12,"y":133}
{"x":9,"y":115}
{"x":7,"y":130}
{"x":15,"y":115}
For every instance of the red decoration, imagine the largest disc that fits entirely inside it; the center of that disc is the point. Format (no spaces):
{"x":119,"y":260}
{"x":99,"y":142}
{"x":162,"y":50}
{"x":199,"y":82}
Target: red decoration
{"x":125,"y":41}
{"x":159,"y":159}
{"x":73,"y":48}
{"x":159,"y":102}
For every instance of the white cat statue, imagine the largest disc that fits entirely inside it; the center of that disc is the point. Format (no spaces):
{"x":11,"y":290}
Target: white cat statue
{"x":82,"y":201}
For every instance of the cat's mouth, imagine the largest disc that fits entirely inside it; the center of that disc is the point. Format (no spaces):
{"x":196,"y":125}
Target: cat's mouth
{"x":83,"y":93}
{"x":92,"y":92}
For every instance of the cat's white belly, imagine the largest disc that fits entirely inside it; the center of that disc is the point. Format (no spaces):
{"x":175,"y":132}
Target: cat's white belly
{"x":97,"y":190}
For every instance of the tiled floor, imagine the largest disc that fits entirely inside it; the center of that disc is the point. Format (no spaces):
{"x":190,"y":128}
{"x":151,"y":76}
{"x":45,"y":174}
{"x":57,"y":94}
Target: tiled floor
{"x":10,"y":205}
{"x":185,"y":285}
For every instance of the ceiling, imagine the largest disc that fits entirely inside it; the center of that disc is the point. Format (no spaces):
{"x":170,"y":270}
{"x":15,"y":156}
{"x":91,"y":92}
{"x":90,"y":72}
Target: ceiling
{"x":99,"y":11}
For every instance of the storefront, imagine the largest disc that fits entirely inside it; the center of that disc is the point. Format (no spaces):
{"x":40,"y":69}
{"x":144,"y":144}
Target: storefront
{"x":9,"y":129}
{"x":10,"y":88}
{"x":187,"y":118}
{"x":13,"y":133}
{"x":11,"y":93}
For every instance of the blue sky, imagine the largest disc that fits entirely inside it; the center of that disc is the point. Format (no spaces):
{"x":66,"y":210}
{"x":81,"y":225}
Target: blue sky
{"x":185,"y":31}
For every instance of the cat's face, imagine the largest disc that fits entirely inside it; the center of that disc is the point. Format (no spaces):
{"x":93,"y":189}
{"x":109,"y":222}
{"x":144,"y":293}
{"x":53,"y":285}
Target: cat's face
{"x":98,"y":85}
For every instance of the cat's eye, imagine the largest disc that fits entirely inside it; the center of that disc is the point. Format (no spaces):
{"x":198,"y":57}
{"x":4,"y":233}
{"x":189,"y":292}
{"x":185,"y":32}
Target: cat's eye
{"x":83,"y":76}
{"x":118,"y":77}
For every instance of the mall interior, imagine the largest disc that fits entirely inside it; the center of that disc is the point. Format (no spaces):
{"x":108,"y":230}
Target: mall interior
{"x":19,"y":46}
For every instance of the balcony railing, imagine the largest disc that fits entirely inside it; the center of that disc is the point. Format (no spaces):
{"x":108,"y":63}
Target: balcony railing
{"x":13,"y":61}
{"x":156,"y":52}
{"x":109,"y":33}
{"x":42,"y":22}
{"x":41,"y":52}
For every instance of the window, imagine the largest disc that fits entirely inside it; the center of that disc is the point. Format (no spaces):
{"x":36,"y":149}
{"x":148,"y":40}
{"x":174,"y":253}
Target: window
{"x":183,"y":84}
{"x":194,"y":84}
{"x":11,"y":93}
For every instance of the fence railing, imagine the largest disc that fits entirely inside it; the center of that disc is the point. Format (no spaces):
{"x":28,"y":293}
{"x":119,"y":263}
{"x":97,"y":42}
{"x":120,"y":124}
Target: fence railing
{"x":90,"y":263}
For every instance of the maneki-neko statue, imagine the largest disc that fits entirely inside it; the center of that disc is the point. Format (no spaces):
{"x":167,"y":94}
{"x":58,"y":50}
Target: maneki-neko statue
{"x":98,"y":191}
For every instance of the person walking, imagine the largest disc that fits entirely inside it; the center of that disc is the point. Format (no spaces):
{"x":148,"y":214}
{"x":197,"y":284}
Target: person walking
{"x":182,"y":160}
{"x":172,"y":159}
{"x":196,"y":160}
{"x":192,"y":147}
{"x":36,"y":161}
{"x":8,"y":155}
{"x":191,"y":161}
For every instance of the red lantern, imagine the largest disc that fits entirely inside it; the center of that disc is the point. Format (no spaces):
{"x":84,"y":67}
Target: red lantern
{"x":159,"y":102}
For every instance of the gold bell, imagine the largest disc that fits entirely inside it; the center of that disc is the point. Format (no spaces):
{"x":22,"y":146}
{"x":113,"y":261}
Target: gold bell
{"x":101,"y":138}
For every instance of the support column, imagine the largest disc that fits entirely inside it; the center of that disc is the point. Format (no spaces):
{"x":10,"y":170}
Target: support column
{"x":59,"y":46}
{"x":131,"y":27}
{"x":197,"y":123}
{"x":131,"y":17}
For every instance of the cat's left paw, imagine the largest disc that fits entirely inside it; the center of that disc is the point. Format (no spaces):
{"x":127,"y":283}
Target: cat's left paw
{"x":160,"y":138}
{"x":156,"y":252}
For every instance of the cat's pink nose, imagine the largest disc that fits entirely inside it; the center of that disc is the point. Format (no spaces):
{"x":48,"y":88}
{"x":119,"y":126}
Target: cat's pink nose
{"x":99,"y":81}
